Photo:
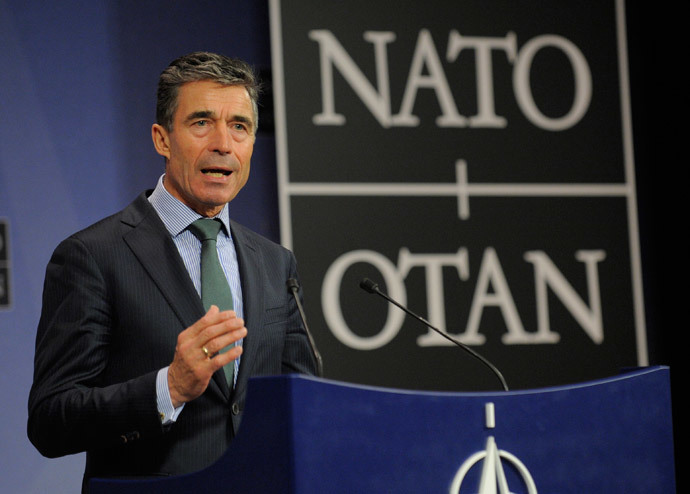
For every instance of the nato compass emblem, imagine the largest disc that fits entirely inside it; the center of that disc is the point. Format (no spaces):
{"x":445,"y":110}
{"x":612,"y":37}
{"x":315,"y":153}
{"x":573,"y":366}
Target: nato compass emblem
{"x":492,"y":476}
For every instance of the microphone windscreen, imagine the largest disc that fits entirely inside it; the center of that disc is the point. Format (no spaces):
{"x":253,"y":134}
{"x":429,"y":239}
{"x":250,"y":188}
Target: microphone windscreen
{"x":292,"y":283}
{"x":368,"y":285}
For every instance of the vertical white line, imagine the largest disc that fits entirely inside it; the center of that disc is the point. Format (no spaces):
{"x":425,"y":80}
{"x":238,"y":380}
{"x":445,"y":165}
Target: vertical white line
{"x":280,"y":123}
{"x":463,"y":197}
{"x":633,"y":221}
{"x":490,"y":415}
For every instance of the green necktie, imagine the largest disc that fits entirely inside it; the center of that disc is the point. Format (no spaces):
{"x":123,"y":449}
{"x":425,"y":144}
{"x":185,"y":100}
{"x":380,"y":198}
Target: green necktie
{"x":214,"y":285}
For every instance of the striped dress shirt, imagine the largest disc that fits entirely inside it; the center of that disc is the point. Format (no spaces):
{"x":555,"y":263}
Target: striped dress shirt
{"x":176,"y":217}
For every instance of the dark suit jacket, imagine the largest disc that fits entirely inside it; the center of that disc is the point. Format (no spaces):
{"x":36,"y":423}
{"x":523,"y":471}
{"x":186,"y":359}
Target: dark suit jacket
{"x":116,"y":296}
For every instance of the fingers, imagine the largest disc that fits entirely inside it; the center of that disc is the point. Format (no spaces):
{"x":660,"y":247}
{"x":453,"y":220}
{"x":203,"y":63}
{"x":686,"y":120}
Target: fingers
{"x":220,"y":343}
{"x":197,"y":354}
{"x":221,"y":330}
{"x":220,"y":360}
{"x":214,"y":331}
{"x":213,"y":316}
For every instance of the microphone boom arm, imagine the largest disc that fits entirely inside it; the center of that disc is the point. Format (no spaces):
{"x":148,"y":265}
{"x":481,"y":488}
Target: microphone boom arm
{"x":371,"y":287}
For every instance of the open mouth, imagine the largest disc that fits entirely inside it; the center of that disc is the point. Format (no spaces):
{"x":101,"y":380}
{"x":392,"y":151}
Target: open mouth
{"x":216,"y":172}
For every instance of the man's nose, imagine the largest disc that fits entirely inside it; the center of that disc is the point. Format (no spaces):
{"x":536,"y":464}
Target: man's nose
{"x":222,"y":140}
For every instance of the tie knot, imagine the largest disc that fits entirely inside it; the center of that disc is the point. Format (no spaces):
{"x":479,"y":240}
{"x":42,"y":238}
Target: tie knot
{"x":205,"y":228}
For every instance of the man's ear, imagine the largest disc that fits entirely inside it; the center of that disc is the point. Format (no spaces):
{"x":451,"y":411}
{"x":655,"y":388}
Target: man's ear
{"x":161,"y":140}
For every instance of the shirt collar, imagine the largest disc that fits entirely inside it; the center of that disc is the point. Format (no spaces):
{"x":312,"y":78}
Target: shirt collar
{"x":177,"y":216}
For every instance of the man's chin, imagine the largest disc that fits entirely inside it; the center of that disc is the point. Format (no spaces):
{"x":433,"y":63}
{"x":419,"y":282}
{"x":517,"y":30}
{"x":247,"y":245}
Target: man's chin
{"x":213,"y":206}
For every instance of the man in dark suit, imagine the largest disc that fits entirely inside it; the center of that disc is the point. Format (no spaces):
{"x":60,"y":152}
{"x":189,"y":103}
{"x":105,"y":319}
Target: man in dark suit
{"x":128,"y":363}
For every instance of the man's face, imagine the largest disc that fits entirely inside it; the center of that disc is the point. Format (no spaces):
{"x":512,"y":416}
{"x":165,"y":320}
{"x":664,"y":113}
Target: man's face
{"x":210,"y":146}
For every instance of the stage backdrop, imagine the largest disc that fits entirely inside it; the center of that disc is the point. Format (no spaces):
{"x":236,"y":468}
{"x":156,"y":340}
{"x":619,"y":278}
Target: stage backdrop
{"x":471,"y":157}
{"x":77,"y":99}
{"x":474,"y":159}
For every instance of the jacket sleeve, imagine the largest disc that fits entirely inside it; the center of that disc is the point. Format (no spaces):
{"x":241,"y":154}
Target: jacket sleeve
{"x":71,"y":408}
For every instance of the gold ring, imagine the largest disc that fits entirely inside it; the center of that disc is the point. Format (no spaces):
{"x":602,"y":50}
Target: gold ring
{"x":205,"y":350}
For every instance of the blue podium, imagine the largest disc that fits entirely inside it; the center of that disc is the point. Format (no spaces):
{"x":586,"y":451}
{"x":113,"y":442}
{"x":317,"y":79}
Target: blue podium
{"x":308,"y":435}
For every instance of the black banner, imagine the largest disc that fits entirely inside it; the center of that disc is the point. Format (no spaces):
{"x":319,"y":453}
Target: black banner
{"x":474,"y":159}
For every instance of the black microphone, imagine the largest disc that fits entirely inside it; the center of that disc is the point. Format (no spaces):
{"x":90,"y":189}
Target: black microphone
{"x":293,"y":286}
{"x":372,"y":287}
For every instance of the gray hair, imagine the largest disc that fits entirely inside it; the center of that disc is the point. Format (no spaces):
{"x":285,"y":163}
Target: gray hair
{"x":203,"y":66}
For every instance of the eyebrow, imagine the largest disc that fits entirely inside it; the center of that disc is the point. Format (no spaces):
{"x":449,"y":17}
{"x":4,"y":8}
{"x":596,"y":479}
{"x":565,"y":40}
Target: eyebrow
{"x":212,"y":115}
{"x":200,"y":114}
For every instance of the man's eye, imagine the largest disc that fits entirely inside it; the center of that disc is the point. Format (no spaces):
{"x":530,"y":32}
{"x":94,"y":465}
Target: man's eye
{"x":201,"y":123}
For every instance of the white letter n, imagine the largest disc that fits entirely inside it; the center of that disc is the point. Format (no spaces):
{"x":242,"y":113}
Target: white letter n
{"x":332,"y":54}
{"x":546,"y":274}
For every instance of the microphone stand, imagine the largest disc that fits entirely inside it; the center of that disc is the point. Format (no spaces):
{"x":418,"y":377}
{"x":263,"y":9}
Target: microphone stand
{"x":293,"y":286}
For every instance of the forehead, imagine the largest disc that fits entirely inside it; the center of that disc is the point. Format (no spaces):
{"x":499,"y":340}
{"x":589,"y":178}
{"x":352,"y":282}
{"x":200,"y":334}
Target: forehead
{"x":210,"y":96}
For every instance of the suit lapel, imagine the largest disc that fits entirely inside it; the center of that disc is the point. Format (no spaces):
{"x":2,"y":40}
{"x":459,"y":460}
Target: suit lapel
{"x":151,"y":244}
{"x":251,"y":274}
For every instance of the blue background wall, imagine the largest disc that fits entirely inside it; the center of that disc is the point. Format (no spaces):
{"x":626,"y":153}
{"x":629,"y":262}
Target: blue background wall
{"x":77,"y":96}
{"x":77,"y":99}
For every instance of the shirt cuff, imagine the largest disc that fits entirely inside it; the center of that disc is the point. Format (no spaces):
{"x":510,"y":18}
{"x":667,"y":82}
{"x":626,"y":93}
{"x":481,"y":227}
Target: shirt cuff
{"x":167,"y":412}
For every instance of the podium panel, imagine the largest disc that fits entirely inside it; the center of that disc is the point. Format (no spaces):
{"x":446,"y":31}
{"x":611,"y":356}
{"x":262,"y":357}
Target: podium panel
{"x":308,"y":435}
